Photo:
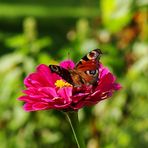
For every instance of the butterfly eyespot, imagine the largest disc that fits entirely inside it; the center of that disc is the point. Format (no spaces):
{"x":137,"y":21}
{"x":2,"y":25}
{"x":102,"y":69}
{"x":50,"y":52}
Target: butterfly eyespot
{"x":92,"y":72}
{"x":54,"y":68}
{"x":92,"y":55}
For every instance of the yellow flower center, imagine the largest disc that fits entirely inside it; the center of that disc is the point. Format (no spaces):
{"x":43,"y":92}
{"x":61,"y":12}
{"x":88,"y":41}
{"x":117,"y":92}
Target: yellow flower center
{"x":61,"y":83}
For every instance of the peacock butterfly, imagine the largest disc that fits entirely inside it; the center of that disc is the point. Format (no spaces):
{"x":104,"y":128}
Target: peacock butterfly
{"x":86,"y":71}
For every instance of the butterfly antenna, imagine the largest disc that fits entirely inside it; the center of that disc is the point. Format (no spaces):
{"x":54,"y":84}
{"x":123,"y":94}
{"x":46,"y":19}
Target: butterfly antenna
{"x":68,"y":55}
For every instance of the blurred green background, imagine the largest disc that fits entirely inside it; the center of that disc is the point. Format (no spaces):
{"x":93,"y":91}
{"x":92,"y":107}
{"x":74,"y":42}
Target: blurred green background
{"x":34,"y":32}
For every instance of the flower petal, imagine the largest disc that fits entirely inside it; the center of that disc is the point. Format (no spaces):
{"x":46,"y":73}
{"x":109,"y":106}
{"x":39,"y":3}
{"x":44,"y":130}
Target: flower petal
{"x":117,"y":86}
{"x":40,"y":106}
{"x":28,"y":107}
{"x":49,"y":91}
{"x":66,"y":93}
{"x":106,"y":83}
{"x":67,"y":64}
{"x":26,"y":99}
{"x":78,"y":97}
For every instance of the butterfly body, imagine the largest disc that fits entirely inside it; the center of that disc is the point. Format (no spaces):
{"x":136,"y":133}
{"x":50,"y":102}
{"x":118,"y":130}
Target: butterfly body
{"x":85,"y":71}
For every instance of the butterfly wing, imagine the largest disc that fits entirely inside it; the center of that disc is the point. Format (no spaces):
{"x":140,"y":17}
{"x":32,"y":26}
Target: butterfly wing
{"x":85,"y":71}
{"x":87,"y":68}
{"x":92,"y":55}
{"x":64,"y":73}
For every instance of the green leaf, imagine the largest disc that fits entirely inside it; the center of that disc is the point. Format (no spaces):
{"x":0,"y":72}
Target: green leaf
{"x":115,"y":14}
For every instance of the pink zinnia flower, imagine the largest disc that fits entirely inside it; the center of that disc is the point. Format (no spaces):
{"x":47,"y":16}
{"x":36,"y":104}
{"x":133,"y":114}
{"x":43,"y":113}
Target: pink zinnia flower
{"x":47,"y":90}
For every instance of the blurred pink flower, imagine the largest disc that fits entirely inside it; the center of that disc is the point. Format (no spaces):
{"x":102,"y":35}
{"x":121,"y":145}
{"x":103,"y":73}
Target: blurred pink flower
{"x":47,"y":90}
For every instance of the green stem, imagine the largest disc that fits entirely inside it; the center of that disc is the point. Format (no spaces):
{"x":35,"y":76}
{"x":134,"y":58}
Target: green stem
{"x":74,"y":123}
